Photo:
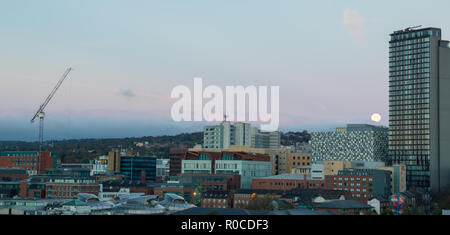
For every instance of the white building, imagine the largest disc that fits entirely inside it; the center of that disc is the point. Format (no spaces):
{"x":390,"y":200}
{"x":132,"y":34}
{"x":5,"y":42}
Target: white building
{"x":228,"y":134}
{"x":162,"y":167}
{"x":317,"y":171}
{"x":100,"y":166}
{"x":109,"y":194}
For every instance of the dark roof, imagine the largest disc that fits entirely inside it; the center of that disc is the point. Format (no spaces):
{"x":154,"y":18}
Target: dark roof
{"x":344,"y":204}
{"x":211,"y":211}
{"x":17,"y":171}
{"x":258,"y":191}
{"x":306,"y":196}
{"x":215,"y":194}
{"x":123,"y":183}
{"x":381,"y":199}
{"x":74,"y":202}
{"x":301,"y":212}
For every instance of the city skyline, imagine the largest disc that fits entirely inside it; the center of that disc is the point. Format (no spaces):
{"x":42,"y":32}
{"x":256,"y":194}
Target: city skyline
{"x":127,"y":58}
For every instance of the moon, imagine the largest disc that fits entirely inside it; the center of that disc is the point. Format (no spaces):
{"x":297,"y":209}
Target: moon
{"x":376,"y":117}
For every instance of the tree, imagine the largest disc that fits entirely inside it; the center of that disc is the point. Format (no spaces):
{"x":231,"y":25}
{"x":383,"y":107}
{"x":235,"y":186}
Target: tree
{"x":436,"y":209}
{"x":213,"y":212}
{"x":260,"y":203}
{"x":286,"y":206}
{"x":410,"y":210}
{"x":386,"y":212}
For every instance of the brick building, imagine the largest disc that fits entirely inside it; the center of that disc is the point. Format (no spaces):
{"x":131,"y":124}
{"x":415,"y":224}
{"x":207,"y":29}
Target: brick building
{"x":12,"y":174}
{"x":209,"y":182}
{"x":287,"y":182}
{"x":176,"y":155}
{"x":346,"y":207}
{"x":217,"y":199}
{"x":134,"y":186}
{"x":242,"y":197}
{"x":363,"y":184}
{"x":33,"y":162}
{"x":246,"y":165}
{"x":185,"y":191}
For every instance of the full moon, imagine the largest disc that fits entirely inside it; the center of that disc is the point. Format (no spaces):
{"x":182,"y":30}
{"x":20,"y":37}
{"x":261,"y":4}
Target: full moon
{"x":376,"y":117}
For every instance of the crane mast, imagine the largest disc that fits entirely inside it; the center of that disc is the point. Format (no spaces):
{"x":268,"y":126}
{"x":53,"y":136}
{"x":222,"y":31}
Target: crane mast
{"x":40,"y":112}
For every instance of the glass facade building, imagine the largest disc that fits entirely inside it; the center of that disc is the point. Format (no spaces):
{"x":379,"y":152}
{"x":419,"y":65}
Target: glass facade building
{"x":132,"y":166}
{"x":416,"y":98}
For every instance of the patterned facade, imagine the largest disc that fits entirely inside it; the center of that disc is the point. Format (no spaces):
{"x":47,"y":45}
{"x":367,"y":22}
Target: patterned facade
{"x":355,"y":143}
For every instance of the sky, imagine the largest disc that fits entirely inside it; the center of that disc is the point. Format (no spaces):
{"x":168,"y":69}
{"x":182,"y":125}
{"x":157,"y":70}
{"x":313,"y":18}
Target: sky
{"x":329,"y":58}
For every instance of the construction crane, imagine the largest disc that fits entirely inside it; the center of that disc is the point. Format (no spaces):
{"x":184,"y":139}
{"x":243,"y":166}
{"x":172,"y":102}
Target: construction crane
{"x":40,"y":113}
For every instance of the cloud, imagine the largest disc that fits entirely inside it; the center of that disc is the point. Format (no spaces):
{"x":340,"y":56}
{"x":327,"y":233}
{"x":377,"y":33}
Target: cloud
{"x":354,"y":23}
{"x":127,"y":93}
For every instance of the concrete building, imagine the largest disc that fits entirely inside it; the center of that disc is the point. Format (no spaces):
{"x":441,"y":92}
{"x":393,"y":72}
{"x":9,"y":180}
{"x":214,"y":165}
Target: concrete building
{"x":317,"y":171}
{"x":162,"y":169}
{"x":398,"y":178}
{"x":333,"y":167}
{"x":419,"y":106}
{"x":100,"y":166}
{"x":302,"y":170}
{"x":244,"y":164}
{"x":246,"y":169}
{"x":267,"y":140}
{"x":298,"y":159}
{"x":279,"y":157}
{"x":357,"y":142}
{"x":209,"y":182}
{"x":114,"y":160}
{"x":228,"y":134}
{"x":111,"y":193}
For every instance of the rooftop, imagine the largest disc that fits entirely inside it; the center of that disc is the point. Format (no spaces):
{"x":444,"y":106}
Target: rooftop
{"x":75,"y":202}
{"x":344,"y":204}
{"x":301,"y":212}
{"x":288,"y":177}
{"x":212,"y":211}
{"x":258,"y":191}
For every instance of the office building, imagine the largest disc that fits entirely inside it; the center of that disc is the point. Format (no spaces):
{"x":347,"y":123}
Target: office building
{"x":100,"y":166}
{"x":244,"y":164}
{"x":267,"y":140}
{"x":298,"y":159}
{"x":357,"y":142}
{"x":33,"y":162}
{"x":419,"y":106}
{"x":398,"y":178}
{"x":114,"y":160}
{"x":279,"y":157}
{"x":228,"y":134}
{"x":175,"y":157}
{"x":162,"y":168}
{"x":287,"y":182}
{"x":363,"y":184}
{"x":137,"y":168}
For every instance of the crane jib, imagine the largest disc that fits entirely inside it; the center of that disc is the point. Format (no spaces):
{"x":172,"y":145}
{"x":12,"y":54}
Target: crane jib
{"x":40,"y":112}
